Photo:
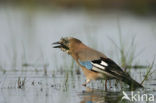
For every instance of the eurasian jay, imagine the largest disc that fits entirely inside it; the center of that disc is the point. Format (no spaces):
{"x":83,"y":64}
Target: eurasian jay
{"x":94,"y":64}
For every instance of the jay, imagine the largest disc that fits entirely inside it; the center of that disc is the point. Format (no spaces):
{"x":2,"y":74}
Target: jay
{"x":94,"y":64}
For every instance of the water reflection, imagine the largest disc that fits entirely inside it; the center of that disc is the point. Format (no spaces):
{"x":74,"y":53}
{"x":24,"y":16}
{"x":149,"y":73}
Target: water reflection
{"x":91,"y":95}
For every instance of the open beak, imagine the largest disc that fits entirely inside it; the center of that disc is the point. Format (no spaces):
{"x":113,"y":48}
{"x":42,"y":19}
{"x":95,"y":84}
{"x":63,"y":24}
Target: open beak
{"x":57,"y":46}
{"x":60,"y":45}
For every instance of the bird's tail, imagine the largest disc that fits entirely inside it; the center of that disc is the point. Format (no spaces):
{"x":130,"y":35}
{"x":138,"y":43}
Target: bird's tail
{"x":132,"y":83}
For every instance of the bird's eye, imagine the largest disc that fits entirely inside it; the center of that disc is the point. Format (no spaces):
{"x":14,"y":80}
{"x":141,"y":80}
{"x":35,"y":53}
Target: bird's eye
{"x":66,"y":41}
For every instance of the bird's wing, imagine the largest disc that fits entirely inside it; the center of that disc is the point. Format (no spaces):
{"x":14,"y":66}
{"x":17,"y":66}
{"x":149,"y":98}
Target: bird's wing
{"x":89,"y":54}
{"x":104,"y":65}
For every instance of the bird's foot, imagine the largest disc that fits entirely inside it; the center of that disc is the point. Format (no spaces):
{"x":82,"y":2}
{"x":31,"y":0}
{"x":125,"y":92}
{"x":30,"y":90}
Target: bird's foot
{"x":85,"y":84}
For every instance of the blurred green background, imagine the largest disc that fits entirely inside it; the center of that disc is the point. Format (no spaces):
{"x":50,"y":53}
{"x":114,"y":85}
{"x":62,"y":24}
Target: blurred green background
{"x":137,"y":6}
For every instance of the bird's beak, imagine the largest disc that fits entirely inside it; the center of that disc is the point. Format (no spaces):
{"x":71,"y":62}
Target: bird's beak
{"x":57,"y":46}
{"x":61,"y":45}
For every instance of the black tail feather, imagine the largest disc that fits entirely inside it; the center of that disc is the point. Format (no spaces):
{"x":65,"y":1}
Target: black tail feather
{"x":132,"y":83}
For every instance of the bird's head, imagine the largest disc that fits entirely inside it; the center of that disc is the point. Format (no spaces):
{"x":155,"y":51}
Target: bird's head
{"x":66,"y":44}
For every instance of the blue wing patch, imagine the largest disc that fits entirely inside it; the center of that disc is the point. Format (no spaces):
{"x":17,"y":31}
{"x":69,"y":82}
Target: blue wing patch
{"x":86,"y":64}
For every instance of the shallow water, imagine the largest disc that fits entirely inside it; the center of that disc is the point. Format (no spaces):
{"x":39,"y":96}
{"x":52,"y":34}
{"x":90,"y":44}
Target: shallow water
{"x":40,"y":88}
{"x":50,"y":76}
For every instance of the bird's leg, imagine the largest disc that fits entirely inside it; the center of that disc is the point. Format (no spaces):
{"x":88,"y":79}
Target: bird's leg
{"x":110,"y":84}
{"x":87,"y":81}
{"x":121,"y":84}
{"x":106,"y":84}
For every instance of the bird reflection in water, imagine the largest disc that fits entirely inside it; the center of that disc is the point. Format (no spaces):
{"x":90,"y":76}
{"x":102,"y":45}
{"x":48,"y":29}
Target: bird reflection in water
{"x":91,"y":95}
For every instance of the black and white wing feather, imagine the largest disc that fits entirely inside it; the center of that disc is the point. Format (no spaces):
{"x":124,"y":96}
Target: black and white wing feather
{"x":108,"y":67}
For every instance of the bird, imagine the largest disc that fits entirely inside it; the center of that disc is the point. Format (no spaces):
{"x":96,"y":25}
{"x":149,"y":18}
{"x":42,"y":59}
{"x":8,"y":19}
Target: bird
{"x":94,"y":64}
